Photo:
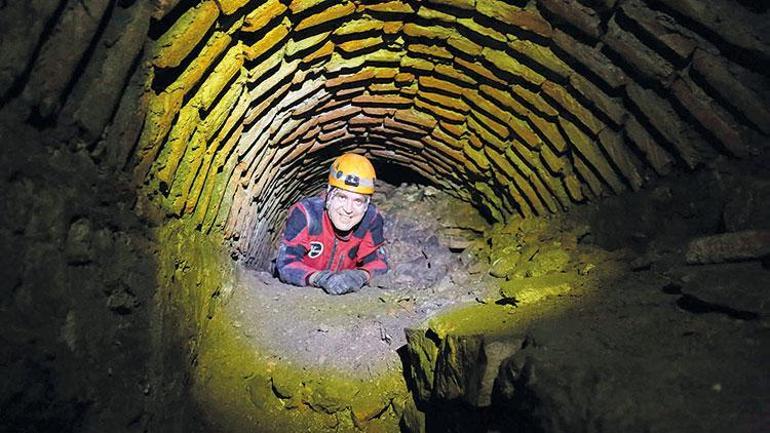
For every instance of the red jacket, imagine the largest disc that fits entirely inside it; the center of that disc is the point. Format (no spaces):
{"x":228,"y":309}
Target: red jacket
{"x":309,"y":244}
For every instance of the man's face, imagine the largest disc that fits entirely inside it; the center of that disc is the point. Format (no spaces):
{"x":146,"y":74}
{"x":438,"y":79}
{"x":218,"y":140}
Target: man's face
{"x":346,"y":209}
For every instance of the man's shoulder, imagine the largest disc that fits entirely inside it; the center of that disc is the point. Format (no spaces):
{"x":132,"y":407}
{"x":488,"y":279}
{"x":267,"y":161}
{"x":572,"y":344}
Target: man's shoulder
{"x":313,"y":209}
{"x":313,"y":204}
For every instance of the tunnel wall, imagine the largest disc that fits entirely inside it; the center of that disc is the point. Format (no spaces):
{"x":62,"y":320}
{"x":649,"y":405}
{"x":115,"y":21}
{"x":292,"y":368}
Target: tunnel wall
{"x":523,"y":108}
{"x":78,"y":335}
{"x":222,"y":112}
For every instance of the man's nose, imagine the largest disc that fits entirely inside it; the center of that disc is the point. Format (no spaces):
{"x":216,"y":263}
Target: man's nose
{"x":347,"y":206}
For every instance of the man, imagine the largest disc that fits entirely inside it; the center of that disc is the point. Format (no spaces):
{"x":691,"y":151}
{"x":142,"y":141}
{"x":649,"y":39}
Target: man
{"x":335,"y":241}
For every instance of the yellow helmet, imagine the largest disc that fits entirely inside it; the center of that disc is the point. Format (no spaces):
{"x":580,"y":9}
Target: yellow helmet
{"x":352,"y":172}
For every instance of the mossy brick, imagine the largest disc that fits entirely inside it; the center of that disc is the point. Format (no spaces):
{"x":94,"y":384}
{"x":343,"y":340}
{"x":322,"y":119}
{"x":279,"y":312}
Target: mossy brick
{"x":427,"y":32}
{"x":362,"y":25}
{"x":432,"y":14}
{"x":430,"y":51}
{"x":479,"y":69}
{"x":528,"y":19}
{"x":589,"y":148}
{"x":395,"y":6}
{"x":270,"y":40}
{"x":451,"y":72}
{"x":526,"y":291}
{"x":326,"y":15}
{"x":257,"y":19}
{"x":229,"y":7}
{"x":481,"y":30}
{"x":617,"y":149}
{"x":179,"y":41}
{"x":570,"y":104}
{"x":535,"y":100}
{"x":464,"y":45}
{"x":543,"y":56}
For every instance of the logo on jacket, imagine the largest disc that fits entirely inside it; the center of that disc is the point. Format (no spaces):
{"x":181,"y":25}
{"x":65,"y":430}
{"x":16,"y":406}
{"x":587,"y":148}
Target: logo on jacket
{"x":316,"y":248}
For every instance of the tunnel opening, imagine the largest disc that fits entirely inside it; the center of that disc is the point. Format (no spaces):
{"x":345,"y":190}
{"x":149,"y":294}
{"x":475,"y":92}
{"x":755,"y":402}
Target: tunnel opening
{"x":574,"y":196}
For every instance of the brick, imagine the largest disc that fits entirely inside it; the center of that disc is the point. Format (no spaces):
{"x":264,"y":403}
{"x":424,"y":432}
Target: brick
{"x":263,"y":15}
{"x":525,"y":19}
{"x":716,"y":72}
{"x":575,"y":14}
{"x":179,"y":41}
{"x":331,"y":13}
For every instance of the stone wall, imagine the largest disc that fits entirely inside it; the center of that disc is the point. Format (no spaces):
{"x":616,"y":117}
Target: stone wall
{"x":521,"y":107}
{"x":118,"y":115}
{"x":77,"y":266}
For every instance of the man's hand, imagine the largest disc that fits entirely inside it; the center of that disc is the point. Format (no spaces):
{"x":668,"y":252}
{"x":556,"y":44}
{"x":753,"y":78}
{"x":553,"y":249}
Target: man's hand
{"x":319,"y":279}
{"x":342,"y":282}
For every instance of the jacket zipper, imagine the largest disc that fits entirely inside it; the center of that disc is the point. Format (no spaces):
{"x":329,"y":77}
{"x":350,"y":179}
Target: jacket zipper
{"x":331,"y":259}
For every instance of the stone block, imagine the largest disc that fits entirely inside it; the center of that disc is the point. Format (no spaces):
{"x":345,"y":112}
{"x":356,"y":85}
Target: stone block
{"x":660,"y":28}
{"x":415,"y":117}
{"x":481,"y":30}
{"x":711,"y":117}
{"x":362,"y":25}
{"x":734,"y":24}
{"x":326,"y":15}
{"x":644,"y":60}
{"x":592,"y":59}
{"x":661,"y":115}
{"x":432,"y":83}
{"x":660,"y":160}
{"x":395,"y":6}
{"x":379,"y":100}
{"x":543,"y":56}
{"x":550,"y":132}
{"x":228,"y":7}
{"x":272,"y":39}
{"x":571,"y":105}
{"x":480,"y":70}
{"x":451,"y":72}
{"x":524,"y":291}
{"x":536,"y":101}
{"x":431,"y":14}
{"x":716,"y":72}
{"x":430,"y":51}
{"x":262,"y":15}
{"x":728,"y":247}
{"x":611,"y":108}
{"x":60,"y":53}
{"x":575,"y":14}
{"x":527,"y":19}
{"x":616,"y":148}
{"x":464,"y":45}
{"x":427,"y":32}
{"x":356,"y":45}
{"x":184,"y":35}
{"x":503,"y":62}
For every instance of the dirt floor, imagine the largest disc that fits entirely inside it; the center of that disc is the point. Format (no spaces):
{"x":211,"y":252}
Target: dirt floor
{"x":359,"y":333}
{"x":627,"y":326}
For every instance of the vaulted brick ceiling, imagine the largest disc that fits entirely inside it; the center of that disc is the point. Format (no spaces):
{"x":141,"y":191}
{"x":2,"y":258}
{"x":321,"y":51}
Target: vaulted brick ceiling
{"x":521,"y":107}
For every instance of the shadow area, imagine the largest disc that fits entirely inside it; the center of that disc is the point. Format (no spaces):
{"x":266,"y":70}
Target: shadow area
{"x":601,"y":323}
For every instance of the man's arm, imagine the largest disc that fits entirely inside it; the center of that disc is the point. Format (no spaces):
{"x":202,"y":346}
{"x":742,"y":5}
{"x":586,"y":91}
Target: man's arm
{"x":372,"y":255}
{"x":292,"y":250}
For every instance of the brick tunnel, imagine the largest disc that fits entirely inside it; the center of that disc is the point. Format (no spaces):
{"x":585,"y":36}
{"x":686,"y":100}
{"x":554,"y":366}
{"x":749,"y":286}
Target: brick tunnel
{"x":152,"y":147}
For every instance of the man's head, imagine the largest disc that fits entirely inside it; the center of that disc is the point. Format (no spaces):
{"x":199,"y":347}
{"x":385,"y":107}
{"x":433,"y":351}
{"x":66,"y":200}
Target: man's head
{"x":351,"y":184}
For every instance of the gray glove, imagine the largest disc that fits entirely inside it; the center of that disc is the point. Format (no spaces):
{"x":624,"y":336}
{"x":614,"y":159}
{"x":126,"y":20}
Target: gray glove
{"x":345,"y":282}
{"x":319,"y":279}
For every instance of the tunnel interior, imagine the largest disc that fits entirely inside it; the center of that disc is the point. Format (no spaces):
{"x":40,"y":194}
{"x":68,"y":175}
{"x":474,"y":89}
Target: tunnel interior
{"x":597,"y":166}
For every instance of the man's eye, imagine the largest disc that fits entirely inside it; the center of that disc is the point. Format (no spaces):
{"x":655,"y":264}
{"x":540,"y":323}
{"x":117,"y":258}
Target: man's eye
{"x":358,"y":202}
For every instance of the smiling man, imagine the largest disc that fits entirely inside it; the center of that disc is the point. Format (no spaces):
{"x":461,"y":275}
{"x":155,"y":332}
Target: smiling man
{"x":335,"y":241}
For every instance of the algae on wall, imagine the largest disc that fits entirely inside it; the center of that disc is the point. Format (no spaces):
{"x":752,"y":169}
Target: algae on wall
{"x":224,"y":381}
{"x":193,"y":278}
